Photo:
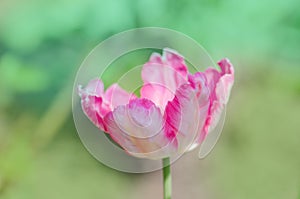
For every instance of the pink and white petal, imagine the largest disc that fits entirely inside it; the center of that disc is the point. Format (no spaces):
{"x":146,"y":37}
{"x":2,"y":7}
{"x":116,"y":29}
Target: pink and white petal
{"x":223,"y":87}
{"x":138,"y":128}
{"x":158,"y":94}
{"x":226,"y":67}
{"x":220,"y":85}
{"x":91,"y":104}
{"x":185,"y":116}
{"x":115,"y":96}
{"x":162,"y":82}
{"x":162,"y":76}
{"x":212,"y":77}
{"x":198,"y":81}
{"x":214,"y":117}
{"x":155,"y":58}
{"x":222,"y":90}
{"x":95,"y":87}
{"x":118,"y":135}
{"x":176,"y":61}
{"x":222,"y":79}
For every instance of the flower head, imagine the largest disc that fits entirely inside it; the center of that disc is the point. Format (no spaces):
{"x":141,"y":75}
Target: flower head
{"x":176,"y":109}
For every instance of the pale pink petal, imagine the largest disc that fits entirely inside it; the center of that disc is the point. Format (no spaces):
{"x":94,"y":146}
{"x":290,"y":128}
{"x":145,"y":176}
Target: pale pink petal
{"x":139,"y":128}
{"x":158,"y":94}
{"x":162,"y":75}
{"x":115,"y":96}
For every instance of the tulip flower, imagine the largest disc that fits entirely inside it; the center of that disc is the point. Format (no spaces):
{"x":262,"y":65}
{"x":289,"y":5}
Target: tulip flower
{"x":176,"y":110}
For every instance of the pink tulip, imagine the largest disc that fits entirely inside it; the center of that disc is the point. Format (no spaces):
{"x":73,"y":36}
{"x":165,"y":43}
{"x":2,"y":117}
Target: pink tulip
{"x":176,"y":109}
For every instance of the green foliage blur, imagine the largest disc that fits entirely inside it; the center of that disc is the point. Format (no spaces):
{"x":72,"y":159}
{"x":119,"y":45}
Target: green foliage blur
{"x":42,"y":44}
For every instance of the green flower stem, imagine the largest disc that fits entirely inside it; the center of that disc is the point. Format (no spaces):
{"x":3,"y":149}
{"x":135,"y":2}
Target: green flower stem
{"x":167,"y":178}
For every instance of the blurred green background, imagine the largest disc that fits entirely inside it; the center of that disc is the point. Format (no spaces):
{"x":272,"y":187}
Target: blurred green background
{"x":42,"y":44}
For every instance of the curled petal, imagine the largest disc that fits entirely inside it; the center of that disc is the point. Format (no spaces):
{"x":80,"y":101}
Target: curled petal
{"x":139,"y":128}
{"x":162,"y":75}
